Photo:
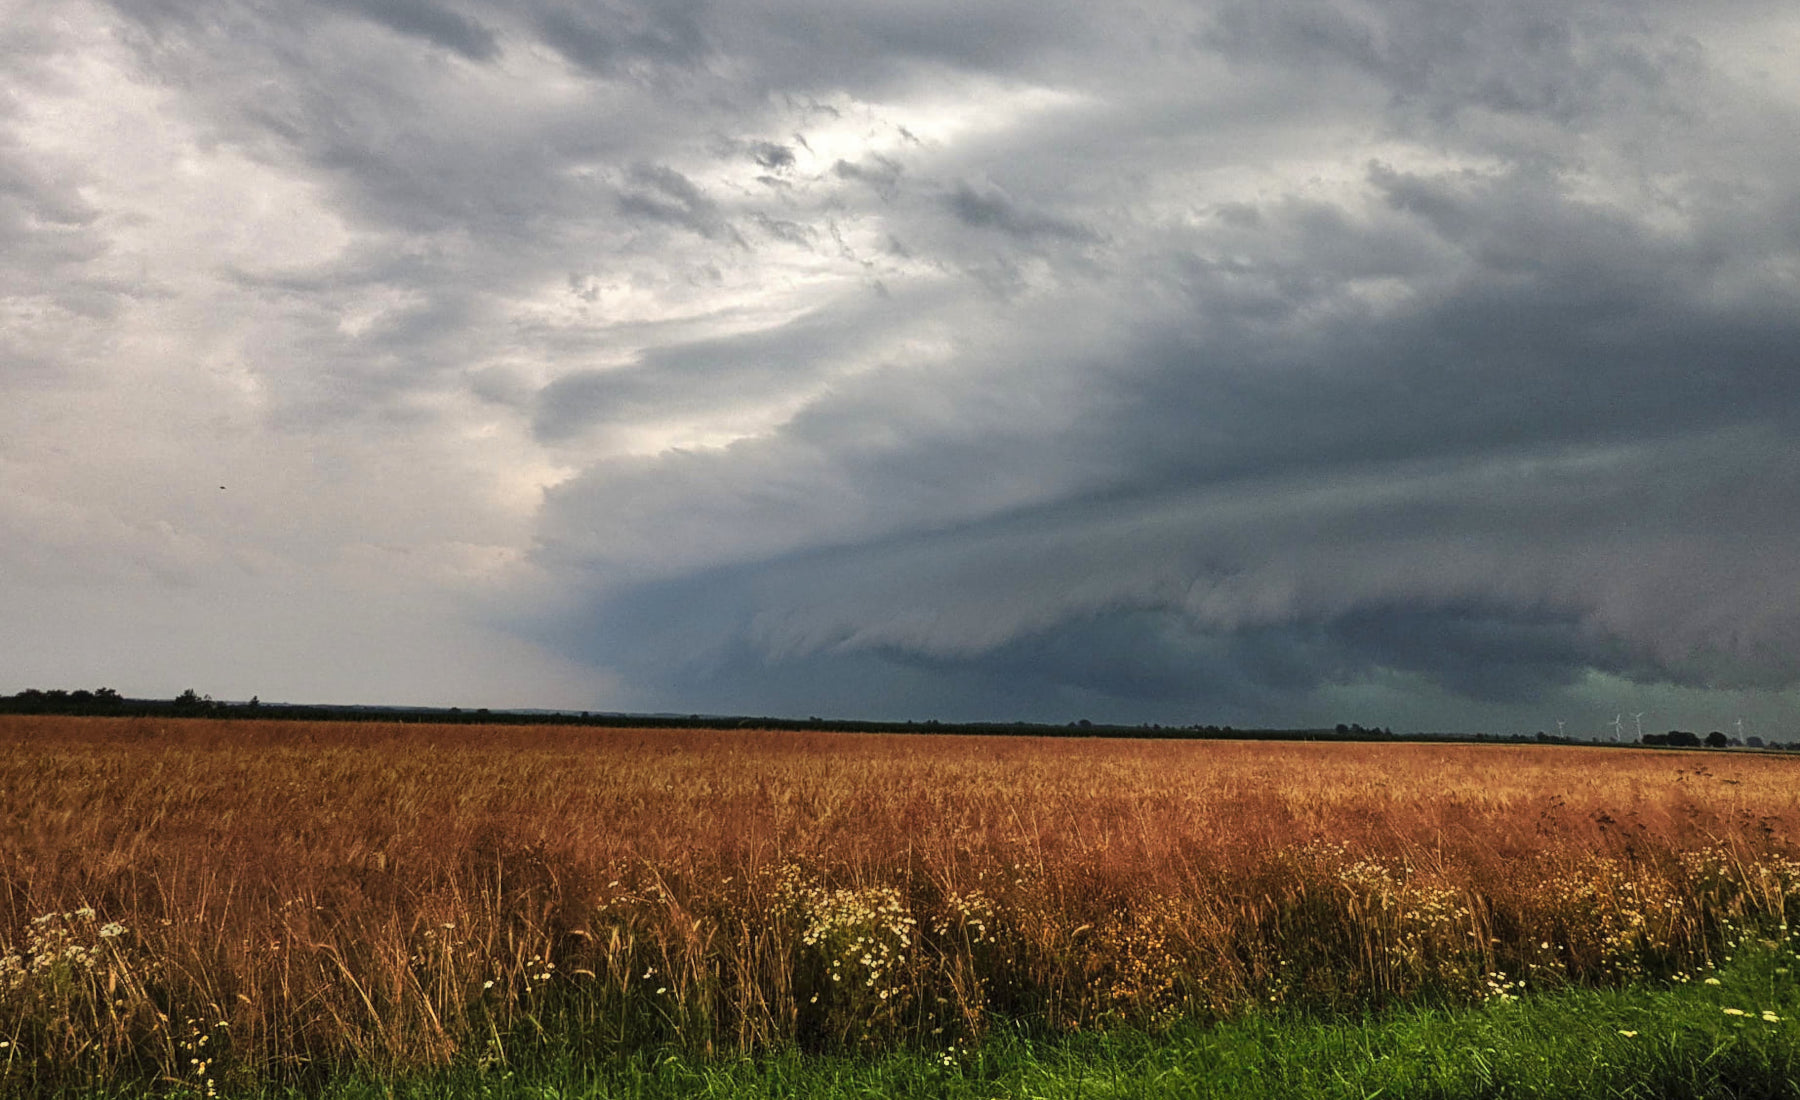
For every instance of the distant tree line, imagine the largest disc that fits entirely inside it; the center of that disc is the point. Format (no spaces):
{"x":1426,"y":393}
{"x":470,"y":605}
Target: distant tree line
{"x":105,"y":702}
{"x":192,"y":704}
{"x":1715,"y":740}
{"x":33,"y":701}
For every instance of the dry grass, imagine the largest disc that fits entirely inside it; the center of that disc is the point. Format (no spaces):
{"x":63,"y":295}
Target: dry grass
{"x":191,"y":898}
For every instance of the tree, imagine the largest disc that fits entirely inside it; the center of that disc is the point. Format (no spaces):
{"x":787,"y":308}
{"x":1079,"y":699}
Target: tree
{"x":192,"y":702}
{"x":1717,"y":740}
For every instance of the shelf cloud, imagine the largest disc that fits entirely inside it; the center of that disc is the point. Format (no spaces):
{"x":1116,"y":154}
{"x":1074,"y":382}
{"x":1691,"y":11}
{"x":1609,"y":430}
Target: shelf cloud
{"x":1418,"y":364}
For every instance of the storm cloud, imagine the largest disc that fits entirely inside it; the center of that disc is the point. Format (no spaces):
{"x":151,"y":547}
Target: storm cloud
{"x":1416,"y":364}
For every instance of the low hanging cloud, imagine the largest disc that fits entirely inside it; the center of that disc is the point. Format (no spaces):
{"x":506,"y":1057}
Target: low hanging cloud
{"x":988,"y":207}
{"x":438,"y":24}
{"x":659,"y":193}
{"x":1400,"y":361}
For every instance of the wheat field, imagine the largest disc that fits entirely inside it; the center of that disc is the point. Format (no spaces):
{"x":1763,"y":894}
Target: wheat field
{"x":210,"y":901}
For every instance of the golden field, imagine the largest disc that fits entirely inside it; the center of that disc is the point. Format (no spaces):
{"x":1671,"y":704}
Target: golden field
{"x":200,"y":899}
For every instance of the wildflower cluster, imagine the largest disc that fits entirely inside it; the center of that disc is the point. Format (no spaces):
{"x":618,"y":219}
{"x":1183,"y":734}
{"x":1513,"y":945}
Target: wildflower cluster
{"x":971,"y":915}
{"x":197,"y":1044}
{"x":1743,"y":886}
{"x":72,"y":983}
{"x":863,"y":935}
{"x":1767,"y":1015}
{"x":1138,"y":970}
{"x":1497,"y":988}
{"x":856,"y":944}
{"x":1418,"y":933}
{"x":1615,"y":920}
{"x":59,"y":947}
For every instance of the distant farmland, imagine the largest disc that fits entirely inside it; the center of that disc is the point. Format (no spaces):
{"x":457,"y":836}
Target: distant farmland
{"x":251,"y":900}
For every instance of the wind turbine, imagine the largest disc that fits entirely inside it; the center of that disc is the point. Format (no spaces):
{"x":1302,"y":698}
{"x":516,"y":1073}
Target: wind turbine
{"x":1559,"y":727}
{"x":1639,"y":716}
{"x":1740,"y":729}
{"x":1618,"y":726}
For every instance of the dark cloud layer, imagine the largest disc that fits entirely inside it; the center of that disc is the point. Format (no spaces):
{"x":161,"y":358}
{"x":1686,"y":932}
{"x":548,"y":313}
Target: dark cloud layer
{"x":1237,"y":362}
{"x":435,"y":23}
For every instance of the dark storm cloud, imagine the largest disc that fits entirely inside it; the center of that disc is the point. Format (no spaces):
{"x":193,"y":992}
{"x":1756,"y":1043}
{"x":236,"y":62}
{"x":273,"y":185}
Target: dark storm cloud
{"x":1557,"y":453}
{"x":1215,"y":361}
{"x":1542,"y":320}
{"x":1242,"y":603}
{"x":1505,"y":654}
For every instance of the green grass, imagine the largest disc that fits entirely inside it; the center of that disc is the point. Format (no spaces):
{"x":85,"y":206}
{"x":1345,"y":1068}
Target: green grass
{"x":1672,"y":1042}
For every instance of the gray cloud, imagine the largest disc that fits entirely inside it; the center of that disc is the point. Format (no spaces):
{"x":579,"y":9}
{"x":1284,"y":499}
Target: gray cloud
{"x":879,"y":172}
{"x":1266,"y":598}
{"x":1541,"y":59}
{"x":707,"y":375}
{"x":988,"y":207}
{"x":662,"y":194}
{"x":612,"y":38}
{"x":1223,"y":363}
{"x":772,"y":155}
{"x":47,"y":229}
{"x":435,"y":23}
{"x":1533,"y":355}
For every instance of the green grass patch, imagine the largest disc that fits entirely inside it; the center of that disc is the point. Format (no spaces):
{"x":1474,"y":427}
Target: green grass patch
{"x":1738,"y":1038}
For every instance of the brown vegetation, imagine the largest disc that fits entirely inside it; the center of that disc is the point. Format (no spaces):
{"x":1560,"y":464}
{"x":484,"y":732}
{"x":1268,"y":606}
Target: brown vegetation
{"x":197,"y":897}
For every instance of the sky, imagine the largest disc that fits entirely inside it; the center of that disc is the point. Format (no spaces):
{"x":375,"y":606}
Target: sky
{"x":1431,"y":364}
